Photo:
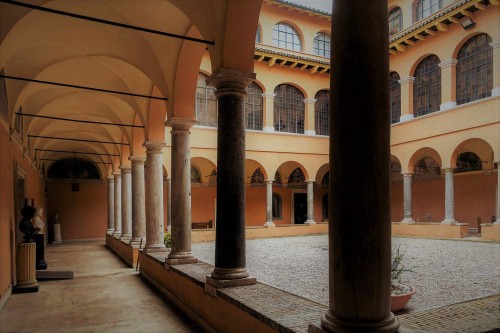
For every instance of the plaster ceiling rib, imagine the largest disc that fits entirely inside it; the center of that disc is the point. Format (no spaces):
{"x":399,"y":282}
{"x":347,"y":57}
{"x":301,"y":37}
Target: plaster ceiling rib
{"x":55,"y":160}
{"x":73,"y":139}
{"x":9,"y":77}
{"x":107,"y":22}
{"x":76,"y":120}
{"x":75,"y":152}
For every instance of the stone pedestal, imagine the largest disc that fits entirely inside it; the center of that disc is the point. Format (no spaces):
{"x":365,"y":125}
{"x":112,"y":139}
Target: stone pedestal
{"x":57,"y":233}
{"x":26,"y":268}
{"x":40,"y":252}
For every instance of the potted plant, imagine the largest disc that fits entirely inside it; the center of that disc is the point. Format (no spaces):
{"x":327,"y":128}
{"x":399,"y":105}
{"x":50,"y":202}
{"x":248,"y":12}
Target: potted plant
{"x":400,"y":292}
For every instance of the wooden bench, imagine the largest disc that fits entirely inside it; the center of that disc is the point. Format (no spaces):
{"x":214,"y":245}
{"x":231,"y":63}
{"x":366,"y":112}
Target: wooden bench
{"x":201,"y":225}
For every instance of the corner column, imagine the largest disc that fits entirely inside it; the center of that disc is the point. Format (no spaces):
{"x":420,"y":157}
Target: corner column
{"x":138,"y":201}
{"x":230,"y":256}
{"x":310,"y":202}
{"x":496,"y":67}
{"x":407,"y":180}
{"x":360,"y":229}
{"x":497,"y":221}
{"x":449,"y":198}
{"x":269,"y":204}
{"x":154,"y":197}
{"x":111,"y":205}
{"x":118,"y":205}
{"x":448,"y":84}
{"x":126,"y":203}
{"x":406,"y":98}
{"x":309,"y":123}
{"x":180,"y":252}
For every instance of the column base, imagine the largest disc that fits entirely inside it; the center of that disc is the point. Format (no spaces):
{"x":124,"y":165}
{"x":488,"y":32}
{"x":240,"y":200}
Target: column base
{"x":449,"y":221}
{"x":317,"y":328}
{"x":218,"y":283}
{"x":137,"y":242}
{"x":229,"y":273}
{"x":180,"y":261}
{"x":154,"y":249}
{"x":116,"y":235}
{"x":110,"y":231}
{"x":310,"y":222}
{"x":331,"y":324}
{"x":26,"y":288}
{"x":125,"y":238}
{"x":269,"y":224}
{"x":408,"y":220}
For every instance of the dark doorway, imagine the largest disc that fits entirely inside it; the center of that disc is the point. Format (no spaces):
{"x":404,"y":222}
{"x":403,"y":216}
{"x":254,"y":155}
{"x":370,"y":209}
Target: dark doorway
{"x":300,"y":207}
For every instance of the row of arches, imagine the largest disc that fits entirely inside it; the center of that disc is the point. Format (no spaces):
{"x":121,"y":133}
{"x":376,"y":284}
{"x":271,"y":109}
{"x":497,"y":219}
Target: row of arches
{"x":473,"y":81}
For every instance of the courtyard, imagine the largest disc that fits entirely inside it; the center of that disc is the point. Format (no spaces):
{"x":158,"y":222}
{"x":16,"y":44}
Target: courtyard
{"x":445,"y":271}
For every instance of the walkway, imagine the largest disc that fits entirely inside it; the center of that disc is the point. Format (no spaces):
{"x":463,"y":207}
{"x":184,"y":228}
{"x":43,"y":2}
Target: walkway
{"x":105,"y":296}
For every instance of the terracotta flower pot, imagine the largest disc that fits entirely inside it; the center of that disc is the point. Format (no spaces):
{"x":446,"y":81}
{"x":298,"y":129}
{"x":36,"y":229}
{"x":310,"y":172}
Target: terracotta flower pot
{"x":399,"y":301}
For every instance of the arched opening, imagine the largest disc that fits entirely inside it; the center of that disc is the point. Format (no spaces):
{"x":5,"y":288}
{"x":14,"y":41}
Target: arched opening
{"x":286,"y":37}
{"x":277,"y":207}
{"x":321,"y":44}
{"x":427,"y":87}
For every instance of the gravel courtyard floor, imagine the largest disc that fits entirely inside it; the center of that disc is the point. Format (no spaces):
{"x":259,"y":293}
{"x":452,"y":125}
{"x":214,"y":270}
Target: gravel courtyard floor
{"x":446,"y":271}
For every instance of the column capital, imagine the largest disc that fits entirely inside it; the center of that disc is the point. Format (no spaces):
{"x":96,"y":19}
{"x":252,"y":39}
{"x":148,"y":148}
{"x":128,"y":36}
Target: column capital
{"x":117,"y":173}
{"x":111,"y":178}
{"x":310,"y":100}
{"x":269,"y":181}
{"x":310,"y":181}
{"x":406,"y":80}
{"x":407,"y":174}
{"x":230,"y":81}
{"x":494,"y":44}
{"x":154,"y":146}
{"x":180,"y":124}
{"x":448,"y":63}
{"x":137,"y":159}
{"x":448,"y":169}
{"x":125,"y":168}
{"x":268,"y":95}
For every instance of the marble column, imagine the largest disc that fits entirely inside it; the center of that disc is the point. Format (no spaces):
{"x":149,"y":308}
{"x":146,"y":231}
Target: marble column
{"x":407,"y":180}
{"x":118,"y":204}
{"x":126,"y":203}
{"x":230,"y":257}
{"x":310,"y":202}
{"x":269,"y":204}
{"x":180,"y":252}
{"x":169,"y":204}
{"x":154,"y":197}
{"x":111,"y":205}
{"x":360,"y":227}
{"x":497,"y":221}
{"x":449,"y":198}
{"x":138,"y":201}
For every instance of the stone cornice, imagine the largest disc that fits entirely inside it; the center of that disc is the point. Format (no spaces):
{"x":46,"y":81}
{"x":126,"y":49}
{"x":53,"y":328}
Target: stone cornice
{"x":406,"y":80}
{"x":268,"y":95}
{"x":448,"y":63}
{"x":496,"y":43}
{"x":309,"y":101}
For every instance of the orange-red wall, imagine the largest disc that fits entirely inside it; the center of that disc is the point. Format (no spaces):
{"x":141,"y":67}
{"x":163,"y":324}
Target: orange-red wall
{"x":83,"y":214}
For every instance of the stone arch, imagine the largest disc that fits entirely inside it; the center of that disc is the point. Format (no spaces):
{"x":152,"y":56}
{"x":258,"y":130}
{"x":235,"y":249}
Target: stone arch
{"x":321,"y":173}
{"x":465,"y":40}
{"x":250,"y":167}
{"x":423,"y":153}
{"x":477,"y":146}
{"x":418,"y":61}
{"x":206,"y":169}
{"x":286,"y":169}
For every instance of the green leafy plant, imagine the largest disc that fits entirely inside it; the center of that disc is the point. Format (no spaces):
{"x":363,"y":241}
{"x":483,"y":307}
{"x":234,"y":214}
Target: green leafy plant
{"x":167,"y":239}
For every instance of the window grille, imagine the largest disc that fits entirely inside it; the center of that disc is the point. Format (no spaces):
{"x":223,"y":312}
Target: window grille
{"x":253,"y":107}
{"x":475,"y":69}
{"x":322,"y":112}
{"x":257,"y":177}
{"x":321,"y":45}
{"x":427,"y":87}
{"x":288,"y":109}
{"x":468,"y":161}
{"x":277,"y":207}
{"x":427,"y":7}
{"x":206,"y":103}
{"x":297,"y":176}
{"x":395,"y":21}
{"x":395,"y":97}
{"x":195,"y":175}
{"x":277,"y":177}
{"x":285,"y":36}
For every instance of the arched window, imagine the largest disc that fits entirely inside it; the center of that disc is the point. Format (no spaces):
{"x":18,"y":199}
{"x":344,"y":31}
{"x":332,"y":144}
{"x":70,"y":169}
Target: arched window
{"x":427,"y":7}
{"x":288,"y":109}
{"x":285,"y":36}
{"x":297,"y":176}
{"x":195,"y":175}
{"x":426,"y":168}
{"x":468,"y":161}
{"x":321,"y":44}
{"x":322,"y":112}
{"x":427,"y":87}
{"x":475,"y":69}
{"x":206,"y":103}
{"x":277,"y":207}
{"x":395,"y":21}
{"x":324,"y":206}
{"x":258,"y":35}
{"x":253,"y":107}
{"x":395,"y":97}
{"x":277,"y":177}
{"x":257,"y":177}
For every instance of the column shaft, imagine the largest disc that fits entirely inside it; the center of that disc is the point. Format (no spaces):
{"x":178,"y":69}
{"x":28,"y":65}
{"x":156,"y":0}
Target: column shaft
{"x":138,"y":200}
{"x":360,"y":228}
{"x":118,"y":205}
{"x":181,"y":198}
{"x":310,"y":202}
{"x":269,"y":204}
{"x":126,"y":203}
{"x":498,"y":193}
{"x":449,"y":198}
{"x":407,"y":180}
{"x":111,"y":204}
{"x":154,"y":197}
